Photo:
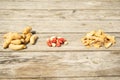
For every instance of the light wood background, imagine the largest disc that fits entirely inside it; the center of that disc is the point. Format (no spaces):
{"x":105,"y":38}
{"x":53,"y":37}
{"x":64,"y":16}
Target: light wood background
{"x":70,"y":19}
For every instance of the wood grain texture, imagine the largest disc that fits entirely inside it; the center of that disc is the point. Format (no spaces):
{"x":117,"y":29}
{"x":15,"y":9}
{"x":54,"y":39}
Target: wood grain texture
{"x":26,"y":79}
{"x":66,"y":15}
{"x":60,"y":64}
{"x":56,"y":0}
{"x":70,"y":19}
{"x":83,"y":78}
{"x":95,"y":78}
{"x":60,"y":5}
{"x":59,"y":26}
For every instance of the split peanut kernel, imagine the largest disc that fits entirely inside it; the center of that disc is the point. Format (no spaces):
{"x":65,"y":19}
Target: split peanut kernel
{"x":98,"y":39}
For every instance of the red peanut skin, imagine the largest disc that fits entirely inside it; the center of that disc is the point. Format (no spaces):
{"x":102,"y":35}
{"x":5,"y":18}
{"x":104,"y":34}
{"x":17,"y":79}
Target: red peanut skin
{"x":49,"y":43}
{"x":54,"y":40}
{"x":58,"y":44}
{"x":57,"y":41}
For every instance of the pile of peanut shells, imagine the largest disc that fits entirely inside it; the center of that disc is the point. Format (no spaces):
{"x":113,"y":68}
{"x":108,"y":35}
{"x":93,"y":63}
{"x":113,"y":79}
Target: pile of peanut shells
{"x":98,"y":39}
{"x":16,"y":41}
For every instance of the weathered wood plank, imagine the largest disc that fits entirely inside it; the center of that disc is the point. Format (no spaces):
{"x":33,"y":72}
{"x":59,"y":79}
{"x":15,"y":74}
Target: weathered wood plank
{"x":91,"y":78}
{"x":59,"y":64}
{"x":24,"y":79}
{"x":58,"y":0}
{"x":60,"y":5}
{"x":82,"y":78}
{"x":73,"y":40}
{"x":59,"y":26}
{"x":67,"y":15}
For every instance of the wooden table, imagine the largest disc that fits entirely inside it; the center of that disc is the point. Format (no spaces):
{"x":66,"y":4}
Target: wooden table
{"x":70,"y":19}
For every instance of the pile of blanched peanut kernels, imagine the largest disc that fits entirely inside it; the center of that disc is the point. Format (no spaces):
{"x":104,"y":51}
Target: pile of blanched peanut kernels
{"x":16,"y":41}
{"x":98,"y":39}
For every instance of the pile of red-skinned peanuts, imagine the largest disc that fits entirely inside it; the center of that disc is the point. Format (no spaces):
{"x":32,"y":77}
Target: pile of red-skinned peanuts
{"x":55,"y":41}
